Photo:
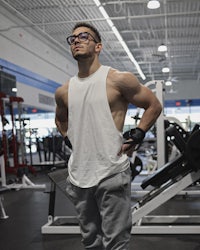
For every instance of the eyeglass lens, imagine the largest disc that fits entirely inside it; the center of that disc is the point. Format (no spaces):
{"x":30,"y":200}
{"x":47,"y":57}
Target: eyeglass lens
{"x":83,"y":36}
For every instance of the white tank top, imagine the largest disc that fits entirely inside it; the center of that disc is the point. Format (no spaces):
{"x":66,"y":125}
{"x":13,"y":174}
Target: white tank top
{"x":92,"y":132}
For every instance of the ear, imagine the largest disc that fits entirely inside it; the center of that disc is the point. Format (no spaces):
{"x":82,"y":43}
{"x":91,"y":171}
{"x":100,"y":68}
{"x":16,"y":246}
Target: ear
{"x":98,"y":47}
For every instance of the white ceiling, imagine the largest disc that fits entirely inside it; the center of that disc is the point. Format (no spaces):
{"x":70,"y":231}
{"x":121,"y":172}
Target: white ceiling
{"x":176,"y":23}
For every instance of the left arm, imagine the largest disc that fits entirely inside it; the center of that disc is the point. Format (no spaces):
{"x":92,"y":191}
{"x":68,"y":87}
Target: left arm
{"x":140,"y":96}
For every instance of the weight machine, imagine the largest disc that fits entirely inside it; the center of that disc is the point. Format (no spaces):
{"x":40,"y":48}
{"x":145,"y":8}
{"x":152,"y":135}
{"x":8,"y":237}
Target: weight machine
{"x":52,"y":152}
{"x":167,"y":182}
{"x":13,"y":148}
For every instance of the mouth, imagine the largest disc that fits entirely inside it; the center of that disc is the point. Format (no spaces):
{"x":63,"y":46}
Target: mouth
{"x":77,"y":48}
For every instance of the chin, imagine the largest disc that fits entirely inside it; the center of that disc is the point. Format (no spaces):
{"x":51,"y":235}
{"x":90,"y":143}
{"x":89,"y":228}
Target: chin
{"x":80,"y":56}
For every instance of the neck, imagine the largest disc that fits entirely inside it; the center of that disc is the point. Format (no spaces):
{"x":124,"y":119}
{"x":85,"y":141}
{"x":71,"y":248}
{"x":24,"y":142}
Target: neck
{"x":87,"y":68}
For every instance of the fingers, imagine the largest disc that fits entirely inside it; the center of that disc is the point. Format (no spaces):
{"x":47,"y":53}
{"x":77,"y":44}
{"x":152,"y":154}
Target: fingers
{"x":126,"y":149}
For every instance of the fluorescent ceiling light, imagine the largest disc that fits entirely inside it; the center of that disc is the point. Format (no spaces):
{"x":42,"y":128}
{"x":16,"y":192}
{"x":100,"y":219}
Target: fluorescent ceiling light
{"x":165,"y":70}
{"x":162,"y":48}
{"x":97,"y":2}
{"x":119,"y":37}
{"x":153,"y":4}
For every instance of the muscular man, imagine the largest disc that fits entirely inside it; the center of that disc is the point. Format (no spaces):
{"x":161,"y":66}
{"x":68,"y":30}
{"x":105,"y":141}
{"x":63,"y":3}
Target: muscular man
{"x":90,"y":112}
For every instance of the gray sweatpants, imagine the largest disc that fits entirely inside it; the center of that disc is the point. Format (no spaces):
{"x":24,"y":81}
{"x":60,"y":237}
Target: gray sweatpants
{"x":104,"y":212}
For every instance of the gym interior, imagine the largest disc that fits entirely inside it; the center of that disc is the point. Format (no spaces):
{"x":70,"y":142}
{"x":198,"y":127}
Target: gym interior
{"x":158,"y":41}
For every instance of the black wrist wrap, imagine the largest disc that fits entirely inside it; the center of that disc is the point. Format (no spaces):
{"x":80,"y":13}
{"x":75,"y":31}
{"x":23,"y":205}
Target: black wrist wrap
{"x":67,"y":142}
{"x":137,"y":135}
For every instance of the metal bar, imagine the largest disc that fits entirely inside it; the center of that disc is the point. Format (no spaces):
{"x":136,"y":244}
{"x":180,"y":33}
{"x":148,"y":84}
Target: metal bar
{"x":165,"y":229}
{"x":160,"y":132}
{"x":52,"y":198}
{"x":3,"y":173}
{"x":50,"y":228}
{"x":140,"y":211}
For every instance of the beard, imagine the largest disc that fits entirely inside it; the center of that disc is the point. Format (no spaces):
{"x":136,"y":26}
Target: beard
{"x":79,"y":56}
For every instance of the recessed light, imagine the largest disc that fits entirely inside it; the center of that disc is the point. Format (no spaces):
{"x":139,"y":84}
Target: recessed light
{"x":165,"y":70}
{"x":162,"y":48}
{"x":153,"y":4}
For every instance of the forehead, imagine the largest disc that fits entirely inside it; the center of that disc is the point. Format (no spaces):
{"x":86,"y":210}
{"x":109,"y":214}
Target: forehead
{"x":82,"y":29}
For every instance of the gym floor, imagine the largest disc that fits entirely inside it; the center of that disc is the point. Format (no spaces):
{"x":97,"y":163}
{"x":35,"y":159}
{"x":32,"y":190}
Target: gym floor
{"x":28,"y":210}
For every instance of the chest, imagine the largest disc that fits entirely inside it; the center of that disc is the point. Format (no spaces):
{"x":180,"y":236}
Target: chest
{"x":87,"y":94}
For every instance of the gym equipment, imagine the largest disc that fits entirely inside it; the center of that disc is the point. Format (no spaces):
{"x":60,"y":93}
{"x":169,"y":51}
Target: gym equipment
{"x":3,"y":214}
{"x":53,"y":152}
{"x":13,"y":149}
{"x":170,"y":169}
{"x":136,"y":167}
{"x":60,"y":224}
{"x":167,"y":182}
{"x":13,"y":146}
{"x":160,"y":129}
{"x":193,"y":150}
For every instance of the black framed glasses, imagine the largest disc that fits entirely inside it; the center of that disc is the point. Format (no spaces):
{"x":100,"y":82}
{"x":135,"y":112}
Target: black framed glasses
{"x":82,"y":37}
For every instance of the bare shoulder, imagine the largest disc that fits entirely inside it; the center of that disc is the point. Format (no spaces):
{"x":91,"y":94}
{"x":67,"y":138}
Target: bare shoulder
{"x":123,"y":80}
{"x":61,"y":93}
{"x":62,"y":89}
{"x":129,"y":87}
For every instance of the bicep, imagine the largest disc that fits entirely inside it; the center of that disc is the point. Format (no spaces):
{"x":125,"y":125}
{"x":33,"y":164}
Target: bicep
{"x":143,"y":97}
{"x":136,"y":93}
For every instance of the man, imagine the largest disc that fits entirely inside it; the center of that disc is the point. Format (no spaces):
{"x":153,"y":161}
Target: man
{"x":90,"y":112}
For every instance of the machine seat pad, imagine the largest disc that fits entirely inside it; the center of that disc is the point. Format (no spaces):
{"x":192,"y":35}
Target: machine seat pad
{"x":168,"y":171}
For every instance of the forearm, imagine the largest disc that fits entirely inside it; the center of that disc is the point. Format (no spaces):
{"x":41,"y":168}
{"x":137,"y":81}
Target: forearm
{"x":62,"y":127}
{"x":136,"y":136}
{"x":149,"y":117}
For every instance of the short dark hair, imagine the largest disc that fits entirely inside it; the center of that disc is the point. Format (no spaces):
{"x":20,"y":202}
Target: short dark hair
{"x":91,"y":27}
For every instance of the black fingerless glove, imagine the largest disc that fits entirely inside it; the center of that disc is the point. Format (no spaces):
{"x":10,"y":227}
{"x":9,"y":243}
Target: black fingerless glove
{"x":137,"y":135}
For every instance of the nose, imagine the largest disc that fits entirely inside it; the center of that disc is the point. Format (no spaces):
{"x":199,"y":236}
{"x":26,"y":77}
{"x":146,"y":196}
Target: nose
{"x":76,"y":40}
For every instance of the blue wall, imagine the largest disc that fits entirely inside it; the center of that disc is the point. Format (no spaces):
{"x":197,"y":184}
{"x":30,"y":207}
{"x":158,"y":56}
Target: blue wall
{"x":28,"y":77}
{"x":32,"y":79}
